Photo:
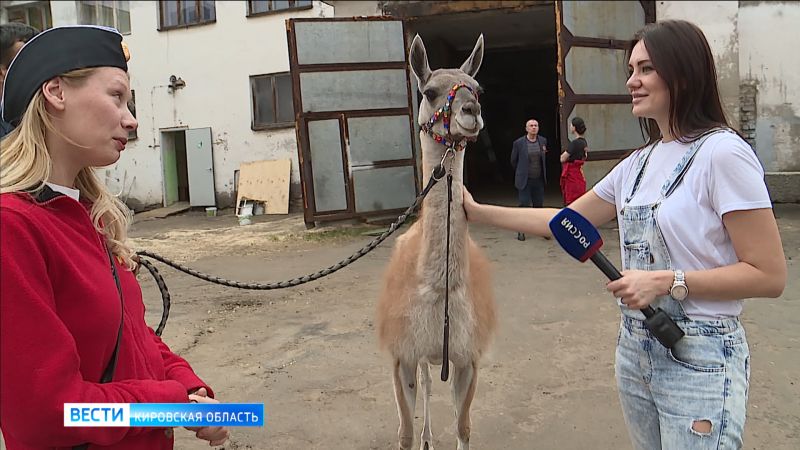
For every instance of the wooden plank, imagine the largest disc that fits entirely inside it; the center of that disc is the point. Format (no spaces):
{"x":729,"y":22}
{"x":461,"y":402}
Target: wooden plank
{"x":268,"y":182}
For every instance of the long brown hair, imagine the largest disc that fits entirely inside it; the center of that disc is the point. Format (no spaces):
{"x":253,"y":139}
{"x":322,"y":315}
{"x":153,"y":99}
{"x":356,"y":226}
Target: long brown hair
{"x":682,"y":57}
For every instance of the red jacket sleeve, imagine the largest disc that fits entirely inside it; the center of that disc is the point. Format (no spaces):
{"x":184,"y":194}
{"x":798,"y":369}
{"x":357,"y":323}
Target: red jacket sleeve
{"x":178,"y":369}
{"x":39,"y":361}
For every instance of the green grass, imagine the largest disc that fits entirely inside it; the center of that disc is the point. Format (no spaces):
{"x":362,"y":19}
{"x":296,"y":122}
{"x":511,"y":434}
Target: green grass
{"x":338,"y":234}
{"x":361,"y":231}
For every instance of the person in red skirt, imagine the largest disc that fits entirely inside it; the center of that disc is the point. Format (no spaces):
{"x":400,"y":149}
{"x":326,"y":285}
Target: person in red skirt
{"x":573,"y":183}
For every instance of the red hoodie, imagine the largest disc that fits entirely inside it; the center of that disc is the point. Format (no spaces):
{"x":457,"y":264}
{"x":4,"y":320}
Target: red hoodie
{"x":59,"y":318}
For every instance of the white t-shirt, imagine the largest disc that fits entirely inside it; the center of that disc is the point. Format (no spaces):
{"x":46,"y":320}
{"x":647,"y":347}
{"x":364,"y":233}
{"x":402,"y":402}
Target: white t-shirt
{"x":725,"y":176}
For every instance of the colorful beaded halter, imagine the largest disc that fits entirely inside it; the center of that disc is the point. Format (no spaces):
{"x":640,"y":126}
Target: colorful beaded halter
{"x":444,"y":113}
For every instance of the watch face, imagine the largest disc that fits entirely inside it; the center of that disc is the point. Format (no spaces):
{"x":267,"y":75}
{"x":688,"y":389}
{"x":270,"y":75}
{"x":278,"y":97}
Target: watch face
{"x":679,"y":292}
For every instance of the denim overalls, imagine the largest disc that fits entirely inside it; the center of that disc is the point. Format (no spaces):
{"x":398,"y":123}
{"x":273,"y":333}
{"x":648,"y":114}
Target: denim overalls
{"x":705,"y":377}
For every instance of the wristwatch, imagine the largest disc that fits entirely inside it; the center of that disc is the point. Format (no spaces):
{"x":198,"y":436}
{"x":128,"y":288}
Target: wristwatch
{"x":679,"y":291}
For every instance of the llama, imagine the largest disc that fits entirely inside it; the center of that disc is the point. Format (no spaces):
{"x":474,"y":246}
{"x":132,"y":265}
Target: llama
{"x":410,"y":312}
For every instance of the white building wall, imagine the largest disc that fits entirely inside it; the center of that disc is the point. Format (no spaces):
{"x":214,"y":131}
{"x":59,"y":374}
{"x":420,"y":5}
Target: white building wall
{"x":215,"y":60}
{"x":718,"y":20}
{"x":352,"y":8}
{"x":766,"y":58}
{"x":753,"y":44}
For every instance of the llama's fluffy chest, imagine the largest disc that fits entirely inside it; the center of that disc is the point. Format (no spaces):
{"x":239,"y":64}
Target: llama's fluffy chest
{"x":425,"y":333}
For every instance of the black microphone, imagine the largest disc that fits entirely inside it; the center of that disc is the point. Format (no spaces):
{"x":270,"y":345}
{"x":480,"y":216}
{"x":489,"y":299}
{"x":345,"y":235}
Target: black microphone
{"x":582,"y":241}
{"x":602,"y":263}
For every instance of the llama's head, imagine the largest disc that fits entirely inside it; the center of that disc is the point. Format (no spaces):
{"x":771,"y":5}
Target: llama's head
{"x":465,"y":111}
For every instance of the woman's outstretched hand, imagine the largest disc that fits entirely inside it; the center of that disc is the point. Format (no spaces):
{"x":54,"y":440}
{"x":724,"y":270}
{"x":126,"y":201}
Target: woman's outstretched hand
{"x":470,"y":206}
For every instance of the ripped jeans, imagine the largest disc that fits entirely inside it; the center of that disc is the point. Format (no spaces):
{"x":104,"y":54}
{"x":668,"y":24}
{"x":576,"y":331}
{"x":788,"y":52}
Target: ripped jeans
{"x":704,"y":380}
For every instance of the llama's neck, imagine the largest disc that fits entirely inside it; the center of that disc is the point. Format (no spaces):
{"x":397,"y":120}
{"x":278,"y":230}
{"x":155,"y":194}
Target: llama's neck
{"x":434,"y":217}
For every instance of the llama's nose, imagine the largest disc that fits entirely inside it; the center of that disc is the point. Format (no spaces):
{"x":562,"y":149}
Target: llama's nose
{"x":471,"y":108}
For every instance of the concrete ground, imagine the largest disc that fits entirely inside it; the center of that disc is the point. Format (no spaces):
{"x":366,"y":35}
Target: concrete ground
{"x":309,"y":353}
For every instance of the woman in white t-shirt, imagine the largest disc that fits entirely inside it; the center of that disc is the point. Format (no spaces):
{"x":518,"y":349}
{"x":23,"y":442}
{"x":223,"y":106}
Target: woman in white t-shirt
{"x":698,"y":236}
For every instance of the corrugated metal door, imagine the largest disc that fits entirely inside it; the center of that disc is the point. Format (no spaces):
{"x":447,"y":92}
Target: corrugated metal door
{"x":593,"y":38}
{"x":353,"y":115}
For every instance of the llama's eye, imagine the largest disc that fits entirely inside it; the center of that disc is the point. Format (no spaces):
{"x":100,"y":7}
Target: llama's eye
{"x":430,"y":94}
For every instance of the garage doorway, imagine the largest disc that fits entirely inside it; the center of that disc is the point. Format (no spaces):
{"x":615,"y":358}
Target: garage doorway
{"x":173,"y":160}
{"x":520,"y":82}
{"x":188,"y":166}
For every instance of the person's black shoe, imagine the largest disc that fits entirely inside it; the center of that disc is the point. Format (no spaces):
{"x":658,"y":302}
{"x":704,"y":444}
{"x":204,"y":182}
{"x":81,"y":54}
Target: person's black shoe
{"x":520,"y":236}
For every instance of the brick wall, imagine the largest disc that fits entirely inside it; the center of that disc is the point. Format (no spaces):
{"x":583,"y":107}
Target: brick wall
{"x":748,"y":90}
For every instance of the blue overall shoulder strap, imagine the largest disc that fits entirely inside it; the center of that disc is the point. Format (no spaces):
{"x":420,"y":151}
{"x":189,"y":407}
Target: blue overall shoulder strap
{"x":644,"y":158}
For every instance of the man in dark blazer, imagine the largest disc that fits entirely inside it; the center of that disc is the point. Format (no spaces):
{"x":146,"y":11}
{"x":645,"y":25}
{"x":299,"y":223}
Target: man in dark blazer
{"x":530,"y":170}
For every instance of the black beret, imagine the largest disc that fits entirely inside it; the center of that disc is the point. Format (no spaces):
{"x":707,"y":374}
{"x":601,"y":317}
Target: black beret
{"x":55,"y":52}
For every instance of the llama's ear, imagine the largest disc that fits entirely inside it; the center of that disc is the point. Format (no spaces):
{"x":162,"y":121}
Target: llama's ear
{"x":473,"y":63}
{"x":419,"y":61}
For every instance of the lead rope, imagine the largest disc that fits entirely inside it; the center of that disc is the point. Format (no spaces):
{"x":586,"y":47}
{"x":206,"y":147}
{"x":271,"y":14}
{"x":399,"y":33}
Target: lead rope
{"x":452,"y":147}
{"x":446,"y":341}
{"x":165,"y":297}
{"x":437,"y":174}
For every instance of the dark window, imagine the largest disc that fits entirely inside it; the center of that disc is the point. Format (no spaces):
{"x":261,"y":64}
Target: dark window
{"x":255,"y":7}
{"x":35,"y":14}
{"x":272,"y":101}
{"x":132,"y":107}
{"x":183,"y":13}
{"x":115,"y":14}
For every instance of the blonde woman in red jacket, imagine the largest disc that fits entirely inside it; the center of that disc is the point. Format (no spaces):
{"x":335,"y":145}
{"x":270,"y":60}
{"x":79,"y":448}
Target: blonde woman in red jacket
{"x":70,"y":304}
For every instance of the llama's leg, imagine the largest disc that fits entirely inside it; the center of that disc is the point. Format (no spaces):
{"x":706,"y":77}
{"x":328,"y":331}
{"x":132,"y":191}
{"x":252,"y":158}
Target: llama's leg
{"x":405,"y":394}
{"x":426,"y":440}
{"x":464,"y":381}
